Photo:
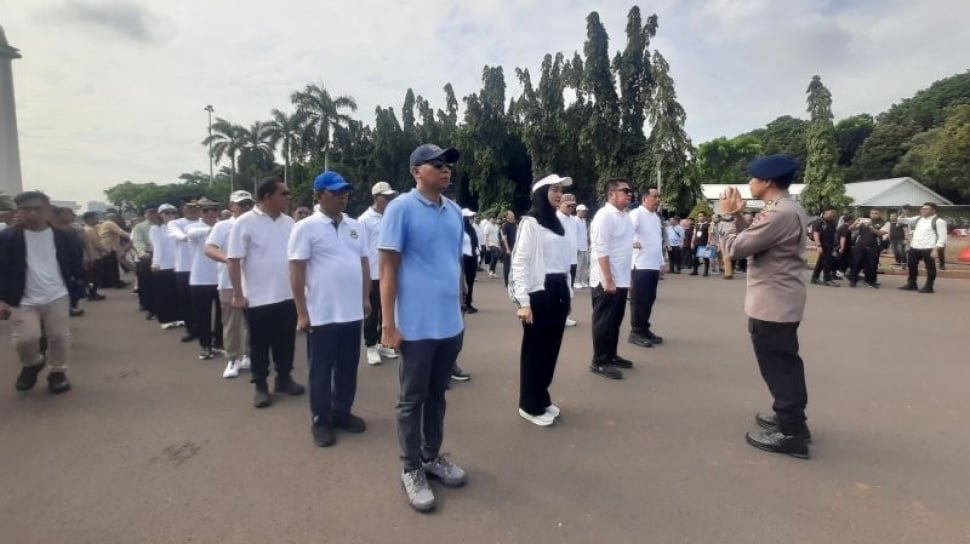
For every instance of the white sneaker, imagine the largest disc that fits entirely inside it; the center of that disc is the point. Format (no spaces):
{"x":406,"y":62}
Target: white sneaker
{"x":169,"y":325}
{"x":552,"y":410}
{"x":386,"y":352}
{"x":245,"y":363}
{"x":232,"y":370}
{"x":570,"y":322}
{"x":373,"y":356}
{"x":542,"y":420}
{"x":577,"y":286}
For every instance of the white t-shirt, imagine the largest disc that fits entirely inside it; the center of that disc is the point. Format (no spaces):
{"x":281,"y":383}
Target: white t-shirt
{"x":370,"y":220}
{"x":648,"y":231}
{"x":611,"y":235}
{"x":570,"y":227}
{"x":334,"y":278}
{"x":491,"y":234}
{"x":44,"y":282}
{"x":219,"y":237}
{"x":466,"y":245}
{"x":163,"y":247}
{"x":259,"y":241}
{"x":582,"y":234}
{"x":177,"y":229}
{"x":479,"y":233}
{"x":204,"y":270}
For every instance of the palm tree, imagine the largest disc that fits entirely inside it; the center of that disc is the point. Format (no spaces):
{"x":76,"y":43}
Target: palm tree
{"x":322,"y":112}
{"x":255,"y":149}
{"x":226,"y":142}
{"x":285,"y":131}
{"x":195,"y":178}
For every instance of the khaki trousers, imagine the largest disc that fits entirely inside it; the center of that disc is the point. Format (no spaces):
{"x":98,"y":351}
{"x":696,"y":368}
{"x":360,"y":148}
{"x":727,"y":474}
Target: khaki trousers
{"x":51,"y":320}
{"x":234,"y":330}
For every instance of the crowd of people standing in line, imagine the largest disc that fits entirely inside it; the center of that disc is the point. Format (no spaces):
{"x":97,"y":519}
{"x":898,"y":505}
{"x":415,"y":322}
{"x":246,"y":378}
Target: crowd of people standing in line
{"x":401,"y":276}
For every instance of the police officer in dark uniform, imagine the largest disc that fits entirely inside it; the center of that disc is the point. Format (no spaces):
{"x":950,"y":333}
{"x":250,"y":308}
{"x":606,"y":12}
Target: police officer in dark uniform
{"x":774,"y":244}
{"x":869,"y":234}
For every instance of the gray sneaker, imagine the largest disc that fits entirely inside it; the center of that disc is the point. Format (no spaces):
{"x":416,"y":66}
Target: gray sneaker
{"x":446,"y":472}
{"x":416,"y":486}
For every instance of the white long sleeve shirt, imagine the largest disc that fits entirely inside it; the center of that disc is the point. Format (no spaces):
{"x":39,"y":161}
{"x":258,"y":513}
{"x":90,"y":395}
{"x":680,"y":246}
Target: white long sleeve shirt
{"x":163,"y":245}
{"x":611,"y":236}
{"x":924,"y":236}
{"x":582,"y":234}
{"x":648,"y":232}
{"x":538,"y":251}
{"x":203,"y":271}
{"x":570,"y":227}
{"x":183,"y":250}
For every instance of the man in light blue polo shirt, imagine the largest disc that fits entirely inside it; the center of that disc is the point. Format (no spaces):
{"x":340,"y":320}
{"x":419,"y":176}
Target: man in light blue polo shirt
{"x":421,"y":275}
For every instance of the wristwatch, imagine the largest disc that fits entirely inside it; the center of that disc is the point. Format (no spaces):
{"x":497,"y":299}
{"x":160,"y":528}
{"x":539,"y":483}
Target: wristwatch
{"x":727,"y":217}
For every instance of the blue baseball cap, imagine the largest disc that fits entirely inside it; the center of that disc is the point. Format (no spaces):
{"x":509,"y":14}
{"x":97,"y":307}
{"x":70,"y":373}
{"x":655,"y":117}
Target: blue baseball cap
{"x":430,"y":152}
{"x":773,"y":166}
{"x":331,"y":181}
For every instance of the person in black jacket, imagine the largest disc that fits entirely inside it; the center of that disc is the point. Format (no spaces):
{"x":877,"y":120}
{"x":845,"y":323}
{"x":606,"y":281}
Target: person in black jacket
{"x":39,"y":266}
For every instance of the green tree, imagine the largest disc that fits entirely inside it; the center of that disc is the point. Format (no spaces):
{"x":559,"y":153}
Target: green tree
{"x":255,"y":151}
{"x":823,"y":180}
{"x":636,"y":82}
{"x":850,"y":134}
{"x":927,"y":108}
{"x":322,"y":112}
{"x":787,"y":135}
{"x":283,"y":131}
{"x":225,"y":141}
{"x":879,"y":153}
{"x":600,"y":134}
{"x":726,"y":161}
{"x":940,"y":157}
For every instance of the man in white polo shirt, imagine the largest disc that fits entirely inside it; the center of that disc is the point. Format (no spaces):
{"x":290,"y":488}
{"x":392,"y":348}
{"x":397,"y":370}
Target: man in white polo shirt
{"x":566,"y":206}
{"x":204,"y":282}
{"x":183,"y":265}
{"x":611,"y":253}
{"x":582,"y":246}
{"x":234,"y":334}
{"x":260,"y":284}
{"x":929,"y":239}
{"x":331,"y":284}
{"x":371,"y":221}
{"x":648,"y":258}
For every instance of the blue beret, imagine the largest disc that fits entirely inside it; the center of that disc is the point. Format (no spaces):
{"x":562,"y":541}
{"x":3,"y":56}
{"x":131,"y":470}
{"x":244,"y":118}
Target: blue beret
{"x":773,"y":167}
{"x":331,"y":181}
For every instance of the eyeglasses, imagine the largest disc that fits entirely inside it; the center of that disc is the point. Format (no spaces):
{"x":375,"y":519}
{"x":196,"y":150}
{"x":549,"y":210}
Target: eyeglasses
{"x":438,"y":164}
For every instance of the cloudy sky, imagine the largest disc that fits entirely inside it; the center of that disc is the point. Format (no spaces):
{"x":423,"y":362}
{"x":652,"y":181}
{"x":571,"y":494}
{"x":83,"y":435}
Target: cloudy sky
{"x":111,"y":90}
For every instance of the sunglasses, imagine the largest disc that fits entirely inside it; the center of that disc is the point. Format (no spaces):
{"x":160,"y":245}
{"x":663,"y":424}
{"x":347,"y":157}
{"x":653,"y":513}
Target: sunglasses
{"x":625,"y":190}
{"x":438,"y":164}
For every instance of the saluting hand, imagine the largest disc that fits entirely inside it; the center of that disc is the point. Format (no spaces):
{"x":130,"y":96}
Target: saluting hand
{"x":731,"y":201}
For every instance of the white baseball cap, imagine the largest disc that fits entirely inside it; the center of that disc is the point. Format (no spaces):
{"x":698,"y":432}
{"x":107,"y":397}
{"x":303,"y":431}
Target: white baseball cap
{"x":167,"y":208}
{"x":552,"y":179}
{"x":465,"y":212}
{"x":581,"y":208}
{"x":382,"y":188}
{"x":240,"y":196}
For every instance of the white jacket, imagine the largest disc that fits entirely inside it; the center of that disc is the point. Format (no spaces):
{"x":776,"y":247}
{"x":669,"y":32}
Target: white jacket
{"x":528,"y":273}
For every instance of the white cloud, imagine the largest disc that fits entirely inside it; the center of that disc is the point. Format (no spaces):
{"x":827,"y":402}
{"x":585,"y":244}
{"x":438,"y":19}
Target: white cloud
{"x":114,"y":90}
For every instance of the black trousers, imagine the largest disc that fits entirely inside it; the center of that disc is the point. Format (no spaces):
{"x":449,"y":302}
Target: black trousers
{"x":776,"y":348}
{"x":899,"y":251}
{"x":572,"y":274}
{"x":866,"y":259}
{"x":941,"y":254}
{"x":143,"y":271}
{"x":675,"y":256}
{"x":608,"y":310}
{"x":823,"y":266}
{"x":697,"y":263}
{"x":372,"y":322}
{"x":470,"y":267}
{"x":272,"y":329}
{"x":507,"y":266}
{"x":184,"y":294}
{"x":109,"y":276}
{"x":494,"y":255}
{"x":164,"y":291}
{"x":643,"y":293}
{"x":334,"y":353}
{"x":912,"y":261}
{"x":541,"y":341}
{"x":687,"y":256}
{"x":209,"y":331}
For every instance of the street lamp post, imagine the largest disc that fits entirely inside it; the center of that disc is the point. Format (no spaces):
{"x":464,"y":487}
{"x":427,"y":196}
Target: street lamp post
{"x":210,"y":109}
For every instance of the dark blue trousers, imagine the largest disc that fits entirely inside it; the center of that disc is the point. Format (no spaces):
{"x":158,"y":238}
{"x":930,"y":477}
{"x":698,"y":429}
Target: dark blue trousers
{"x":334,"y":352}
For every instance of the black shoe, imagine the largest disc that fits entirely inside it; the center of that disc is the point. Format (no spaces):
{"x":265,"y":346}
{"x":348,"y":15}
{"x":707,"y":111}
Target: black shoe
{"x":206,"y":355}
{"x":471,"y":309}
{"x":286,"y":385}
{"x":76,"y":312}
{"x":189,"y":338}
{"x":775,"y":442}
{"x":620,"y":362}
{"x":262,"y":399}
{"x":638,"y":340}
{"x":28,"y":377}
{"x":654,"y":338}
{"x":909,"y":287}
{"x":460,"y":375}
{"x":705,"y":274}
{"x":853,"y":283}
{"x":351,"y":424}
{"x":323,"y":435}
{"x":57,"y":383}
{"x":770,"y":422}
{"x":96,"y":297}
{"x":694,"y":273}
{"x":816,"y":281}
{"x":831,"y":283}
{"x":926,"y":289}
{"x":121,"y":285}
{"x":607,"y":371}
{"x":873,"y":284}
{"x":150,"y":316}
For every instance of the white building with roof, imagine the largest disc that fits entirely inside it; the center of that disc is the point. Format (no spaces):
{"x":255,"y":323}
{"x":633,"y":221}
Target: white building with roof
{"x":883,"y":193}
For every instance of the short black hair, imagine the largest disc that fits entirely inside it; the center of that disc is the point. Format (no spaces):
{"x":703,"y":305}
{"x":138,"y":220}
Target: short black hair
{"x":31,"y":195}
{"x":930,"y":204}
{"x":828,"y":207}
{"x":89,"y":215}
{"x":613,"y":184}
{"x":149,"y":208}
{"x":58,"y":210}
{"x":267,"y":187}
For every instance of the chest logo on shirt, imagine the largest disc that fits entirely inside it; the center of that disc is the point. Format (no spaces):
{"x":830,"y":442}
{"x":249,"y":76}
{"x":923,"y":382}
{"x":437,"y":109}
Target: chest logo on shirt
{"x":353,"y":234}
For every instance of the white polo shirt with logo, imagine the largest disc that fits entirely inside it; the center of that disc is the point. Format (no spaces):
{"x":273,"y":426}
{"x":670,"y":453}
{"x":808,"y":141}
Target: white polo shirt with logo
{"x":259,"y":241}
{"x":334,"y":275}
{"x":219,"y":237}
